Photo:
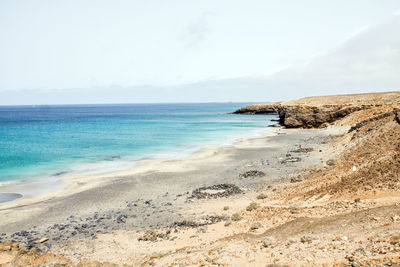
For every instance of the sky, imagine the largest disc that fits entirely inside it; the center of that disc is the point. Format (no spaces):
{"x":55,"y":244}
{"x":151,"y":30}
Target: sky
{"x":103,"y":51}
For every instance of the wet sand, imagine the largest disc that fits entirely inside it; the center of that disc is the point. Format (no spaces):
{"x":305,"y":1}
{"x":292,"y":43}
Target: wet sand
{"x":5,"y":197}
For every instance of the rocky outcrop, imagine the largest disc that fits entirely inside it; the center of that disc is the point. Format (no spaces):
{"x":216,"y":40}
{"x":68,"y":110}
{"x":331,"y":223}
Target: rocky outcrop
{"x":302,"y":116}
{"x":259,"y":109}
{"x":315,"y":112}
{"x":382,"y":116}
{"x":397,"y":115}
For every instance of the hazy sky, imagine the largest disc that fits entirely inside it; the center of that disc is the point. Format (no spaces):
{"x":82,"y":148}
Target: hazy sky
{"x":172,"y":51}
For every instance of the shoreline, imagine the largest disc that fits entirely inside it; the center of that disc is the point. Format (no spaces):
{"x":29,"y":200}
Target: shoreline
{"x":162,"y":182}
{"x":303,"y":197}
{"x":54,"y":186}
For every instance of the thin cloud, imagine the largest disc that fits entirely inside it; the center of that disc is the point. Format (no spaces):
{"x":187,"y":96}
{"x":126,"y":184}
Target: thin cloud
{"x":196,"y":32}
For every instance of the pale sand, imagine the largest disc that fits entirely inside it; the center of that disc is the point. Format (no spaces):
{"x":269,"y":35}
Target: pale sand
{"x":154,"y":194}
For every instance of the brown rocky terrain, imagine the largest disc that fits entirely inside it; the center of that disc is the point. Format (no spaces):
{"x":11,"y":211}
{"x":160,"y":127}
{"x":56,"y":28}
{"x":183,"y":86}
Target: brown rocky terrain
{"x":312,"y":112}
{"x":12,"y":255}
{"x":343,"y":210}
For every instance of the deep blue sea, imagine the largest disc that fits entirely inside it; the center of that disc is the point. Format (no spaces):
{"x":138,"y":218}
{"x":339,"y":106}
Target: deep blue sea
{"x":52,"y":141}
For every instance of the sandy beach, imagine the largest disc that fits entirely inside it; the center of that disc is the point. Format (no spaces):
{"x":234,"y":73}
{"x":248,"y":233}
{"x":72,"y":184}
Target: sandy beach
{"x":154,"y":193}
{"x":200,"y":133}
{"x":299,"y":197}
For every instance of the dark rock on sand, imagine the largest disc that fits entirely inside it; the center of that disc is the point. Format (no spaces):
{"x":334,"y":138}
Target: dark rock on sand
{"x":153,"y":235}
{"x":122,"y":218}
{"x":303,"y":150}
{"x":201,"y":222}
{"x":252,"y":173}
{"x":296,"y":179}
{"x":216,"y":191}
{"x":290,"y":160}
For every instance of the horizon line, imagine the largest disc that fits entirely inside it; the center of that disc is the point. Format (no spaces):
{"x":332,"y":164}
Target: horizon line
{"x":138,"y":103}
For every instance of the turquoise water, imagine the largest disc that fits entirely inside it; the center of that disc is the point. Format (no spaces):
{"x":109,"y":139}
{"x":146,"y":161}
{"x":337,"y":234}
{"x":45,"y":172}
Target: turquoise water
{"x":51,"y":141}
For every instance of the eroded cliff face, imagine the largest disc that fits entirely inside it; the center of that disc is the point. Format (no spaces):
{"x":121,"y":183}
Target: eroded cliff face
{"x":301,"y":116}
{"x":315,"y":112}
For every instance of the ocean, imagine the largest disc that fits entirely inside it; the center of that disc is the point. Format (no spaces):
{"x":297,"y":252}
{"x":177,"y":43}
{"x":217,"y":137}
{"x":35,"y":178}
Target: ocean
{"x":60,"y":140}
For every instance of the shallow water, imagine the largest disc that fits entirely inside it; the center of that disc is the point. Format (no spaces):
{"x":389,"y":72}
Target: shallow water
{"x":54,"y":141}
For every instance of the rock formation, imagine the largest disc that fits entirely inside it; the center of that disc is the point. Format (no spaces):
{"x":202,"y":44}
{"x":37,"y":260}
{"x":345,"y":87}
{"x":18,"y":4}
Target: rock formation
{"x":315,"y":112}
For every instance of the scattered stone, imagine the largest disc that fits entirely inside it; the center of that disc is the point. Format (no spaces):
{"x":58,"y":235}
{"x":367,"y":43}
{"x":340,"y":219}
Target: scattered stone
{"x":268,"y":241}
{"x":308,"y":239}
{"x":149,"y":235}
{"x":202,"y":230}
{"x":43,"y":240}
{"x":236,"y":217}
{"x":395,"y":218}
{"x":203,"y":221}
{"x":255,"y":226}
{"x":296,"y":179}
{"x":303,"y":150}
{"x":252,"y":206}
{"x":226,"y":208}
{"x":262,"y":196}
{"x":227,"y":224}
{"x":393,"y":240}
{"x":290,"y":160}
{"x":120,"y":219}
{"x":330,"y":162}
{"x":294,"y":209}
{"x":216,"y":191}
{"x":153,"y":235}
{"x":252,"y":173}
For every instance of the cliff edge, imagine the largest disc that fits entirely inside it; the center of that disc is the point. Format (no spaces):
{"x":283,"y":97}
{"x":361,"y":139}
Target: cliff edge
{"x":316,"y":112}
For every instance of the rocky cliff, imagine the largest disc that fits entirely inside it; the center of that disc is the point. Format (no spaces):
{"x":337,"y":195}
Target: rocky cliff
{"x":315,"y":112}
{"x":301,"y":116}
